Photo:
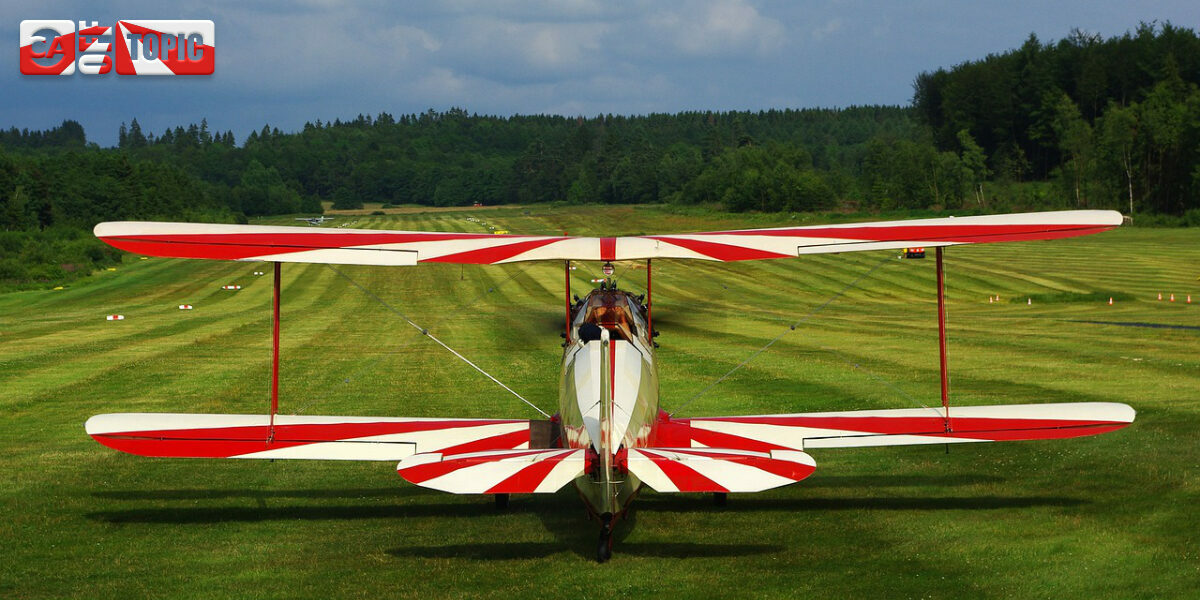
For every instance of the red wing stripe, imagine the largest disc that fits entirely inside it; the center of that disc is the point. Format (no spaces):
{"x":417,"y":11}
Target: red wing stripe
{"x":718,"y":251}
{"x":717,"y":439}
{"x":306,"y":433}
{"x":953,"y":233}
{"x":783,"y":468}
{"x":190,"y":448}
{"x":495,"y":254}
{"x":235,"y":246}
{"x":608,"y":248}
{"x":507,"y":440}
{"x":527,"y":479}
{"x":418,"y":474}
{"x":916,"y":425}
{"x":225,"y":442}
{"x":684,"y":477}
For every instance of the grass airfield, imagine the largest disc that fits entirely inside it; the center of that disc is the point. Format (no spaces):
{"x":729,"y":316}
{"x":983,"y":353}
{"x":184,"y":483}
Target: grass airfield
{"x":1106,"y":516}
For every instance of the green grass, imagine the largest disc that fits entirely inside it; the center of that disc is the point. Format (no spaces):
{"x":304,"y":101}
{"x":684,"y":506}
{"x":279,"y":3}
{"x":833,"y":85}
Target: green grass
{"x":1108,"y":516}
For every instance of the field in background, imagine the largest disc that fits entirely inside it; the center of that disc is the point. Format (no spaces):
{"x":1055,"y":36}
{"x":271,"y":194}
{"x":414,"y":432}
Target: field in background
{"x":1109,"y":516}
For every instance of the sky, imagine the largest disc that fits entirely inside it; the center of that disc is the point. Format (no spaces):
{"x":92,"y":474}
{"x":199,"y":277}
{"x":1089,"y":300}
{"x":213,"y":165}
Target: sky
{"x":285,"y":63}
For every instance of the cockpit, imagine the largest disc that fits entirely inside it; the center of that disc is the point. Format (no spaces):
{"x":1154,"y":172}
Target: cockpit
{"x":617,"y":311}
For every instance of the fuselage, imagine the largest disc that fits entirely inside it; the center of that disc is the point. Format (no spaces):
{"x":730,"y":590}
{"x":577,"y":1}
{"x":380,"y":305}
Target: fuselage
{"x":608,"y":393}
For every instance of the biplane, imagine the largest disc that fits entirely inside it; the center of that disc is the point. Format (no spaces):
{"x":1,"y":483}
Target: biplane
{"x":608,"y":437}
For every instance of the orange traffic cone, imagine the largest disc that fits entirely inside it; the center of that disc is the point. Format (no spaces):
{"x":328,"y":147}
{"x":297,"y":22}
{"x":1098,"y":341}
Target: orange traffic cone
{"x":1160,"y":295}
{"x":1110,"y":300}
{"x":989,"y":299}
{"x":1172,"y":297}
{"x":1029,"y":301}
{"x":1189,"y":298}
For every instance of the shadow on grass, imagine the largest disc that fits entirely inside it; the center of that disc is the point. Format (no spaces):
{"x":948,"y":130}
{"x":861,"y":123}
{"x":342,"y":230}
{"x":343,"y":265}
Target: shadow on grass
{"x":263,"y":512}
{"x":216,"y":494}
{"x":528,"y":550}
{"x":483,"y":551}
{"x":750,"y":504}
{"x":878,"y":481}
{"x":560,"y":515}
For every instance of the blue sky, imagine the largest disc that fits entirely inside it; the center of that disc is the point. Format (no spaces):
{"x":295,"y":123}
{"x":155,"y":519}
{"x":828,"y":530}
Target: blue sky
{"x":285,"y":63}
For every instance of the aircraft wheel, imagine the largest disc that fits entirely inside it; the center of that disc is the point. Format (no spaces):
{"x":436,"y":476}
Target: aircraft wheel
{"x":604,"y":548}
{"x":719,"y":498}
{"x":501,"y":501}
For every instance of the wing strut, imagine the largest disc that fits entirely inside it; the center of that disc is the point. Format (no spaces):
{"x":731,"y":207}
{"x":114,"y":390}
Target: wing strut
{"x":941,"y":299}
{"x":274,"y":355}
{"x":567,"y":297}
{"x":649,"y":304}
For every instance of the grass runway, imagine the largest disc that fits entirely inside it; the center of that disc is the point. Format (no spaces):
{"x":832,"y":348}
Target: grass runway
{"x":1112,"y":516}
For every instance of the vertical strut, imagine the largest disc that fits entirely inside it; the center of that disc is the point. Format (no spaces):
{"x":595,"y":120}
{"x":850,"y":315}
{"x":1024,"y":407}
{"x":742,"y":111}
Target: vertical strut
{"x":649,"y":303}
{"x":941,"y":298}
{"x":567,"y":271}
{"x":275,"y":353}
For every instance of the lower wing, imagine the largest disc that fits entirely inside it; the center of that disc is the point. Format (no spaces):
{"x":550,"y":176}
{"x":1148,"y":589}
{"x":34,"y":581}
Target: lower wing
{"x":305,"y":437}
{"x":899,"y":427}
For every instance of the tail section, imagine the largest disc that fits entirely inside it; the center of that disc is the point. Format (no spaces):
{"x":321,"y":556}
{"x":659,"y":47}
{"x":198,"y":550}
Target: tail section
{"x":718,"y":469}
{"x":497,"y":472}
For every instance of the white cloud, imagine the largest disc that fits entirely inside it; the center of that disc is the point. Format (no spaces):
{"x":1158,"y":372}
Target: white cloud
{"x":718,"y":28}
{"x":828,"y":29}
{"x":504,"y":50}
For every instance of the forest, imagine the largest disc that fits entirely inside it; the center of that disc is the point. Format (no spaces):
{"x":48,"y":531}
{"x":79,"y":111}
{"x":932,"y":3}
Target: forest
{"x":1083,"y":122}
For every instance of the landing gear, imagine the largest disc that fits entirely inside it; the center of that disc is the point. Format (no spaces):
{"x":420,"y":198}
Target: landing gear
{"x":719,"y":498}
{"x":501,"y":501}
{"x":604,"y":549}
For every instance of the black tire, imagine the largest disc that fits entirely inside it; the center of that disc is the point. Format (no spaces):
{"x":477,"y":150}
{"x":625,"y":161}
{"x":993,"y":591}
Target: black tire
{"x":501,"y":501}
{"x":604,"y":550}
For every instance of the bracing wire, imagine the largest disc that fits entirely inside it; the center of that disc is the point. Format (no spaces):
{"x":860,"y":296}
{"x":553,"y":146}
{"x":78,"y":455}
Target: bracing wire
{"x":426,"y":332}
{"x":370,"y":363}
{"x":808,"y":316}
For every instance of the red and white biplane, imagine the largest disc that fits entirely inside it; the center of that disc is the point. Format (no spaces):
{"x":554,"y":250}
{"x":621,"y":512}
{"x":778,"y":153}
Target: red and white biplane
{"x":609,"y":436}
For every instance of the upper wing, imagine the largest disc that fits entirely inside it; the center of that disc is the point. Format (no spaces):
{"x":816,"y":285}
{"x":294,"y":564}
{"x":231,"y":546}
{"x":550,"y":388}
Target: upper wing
{"x":401,"y":248}
{"x":306,"y":437}
{"x":898,"y":427}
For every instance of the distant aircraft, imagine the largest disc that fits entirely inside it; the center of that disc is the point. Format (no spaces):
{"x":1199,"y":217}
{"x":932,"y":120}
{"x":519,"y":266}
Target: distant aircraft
{"x":317,"y":221}
{"x":609,"y":436}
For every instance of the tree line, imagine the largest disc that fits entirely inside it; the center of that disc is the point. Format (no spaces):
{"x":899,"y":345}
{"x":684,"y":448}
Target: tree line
{"x":1084,"y":122}
{"x":1102,"y":118}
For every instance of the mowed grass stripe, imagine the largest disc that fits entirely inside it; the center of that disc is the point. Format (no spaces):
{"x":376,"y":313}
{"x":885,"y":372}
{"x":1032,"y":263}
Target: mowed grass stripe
{"x":175,"y":344}
{"x":1077,"y":518}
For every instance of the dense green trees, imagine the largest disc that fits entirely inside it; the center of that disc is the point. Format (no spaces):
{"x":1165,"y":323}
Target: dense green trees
{"x":1115,"y":123}
{"x":1083,"y":122}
